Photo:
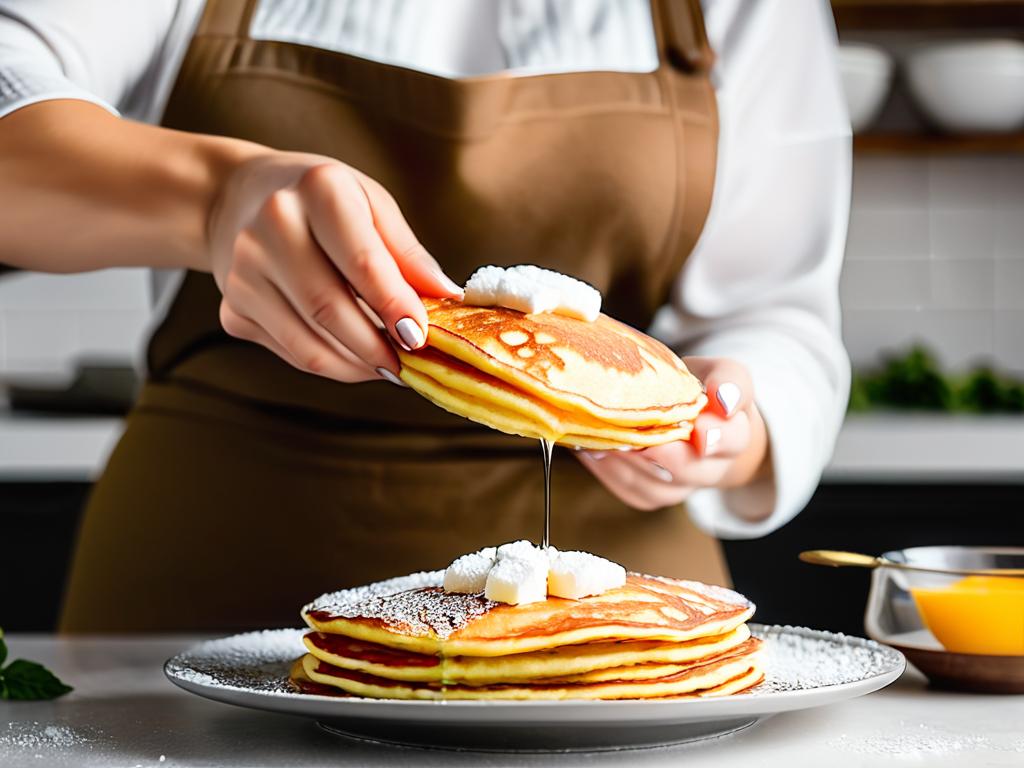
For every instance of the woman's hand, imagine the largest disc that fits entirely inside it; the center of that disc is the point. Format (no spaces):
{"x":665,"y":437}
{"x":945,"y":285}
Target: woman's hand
{"x":313,"y":259}
{"x":728,"y":448}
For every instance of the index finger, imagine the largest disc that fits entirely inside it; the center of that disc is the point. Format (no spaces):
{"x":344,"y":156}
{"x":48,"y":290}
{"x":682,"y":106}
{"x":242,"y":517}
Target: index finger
{"x":417,"y":265}
{"x":341,"y":219}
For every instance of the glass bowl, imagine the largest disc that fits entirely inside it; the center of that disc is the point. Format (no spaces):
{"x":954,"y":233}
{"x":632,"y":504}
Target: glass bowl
{"x":963,"y":631}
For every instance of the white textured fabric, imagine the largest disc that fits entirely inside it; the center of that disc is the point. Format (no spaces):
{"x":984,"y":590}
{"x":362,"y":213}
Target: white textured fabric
{"x":761,"y":286}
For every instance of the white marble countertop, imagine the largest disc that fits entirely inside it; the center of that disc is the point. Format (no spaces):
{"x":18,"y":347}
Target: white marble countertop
{"x":871,"y":448}
{"x":123,"y":713}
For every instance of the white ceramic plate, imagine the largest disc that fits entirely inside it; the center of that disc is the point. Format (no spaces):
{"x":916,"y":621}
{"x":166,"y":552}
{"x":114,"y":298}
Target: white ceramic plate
{"x":803,"y":668}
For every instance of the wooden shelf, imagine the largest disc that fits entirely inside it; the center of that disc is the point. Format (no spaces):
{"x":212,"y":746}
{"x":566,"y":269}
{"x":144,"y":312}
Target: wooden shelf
{"x":928,"y":14}
{"x":933,"y":144}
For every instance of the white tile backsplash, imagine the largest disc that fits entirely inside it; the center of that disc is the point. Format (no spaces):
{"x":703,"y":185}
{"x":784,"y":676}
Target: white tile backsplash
{"x":962,"y":284}
{"x":103,"y":290}
{"x":40,"y":341}
{"x":958,"y":338}
{"x":1009,"y":239}
{"x":976,"y":181}
{"x":962,"y":233}
{"x":885,"y":283}
{"x":48,"y":322}
{"x":885,"y":183}
{"x":1009,"y":285}
{"x":935,"y":254}
{"x":888,"y":234}
{"x":1009,"y":340}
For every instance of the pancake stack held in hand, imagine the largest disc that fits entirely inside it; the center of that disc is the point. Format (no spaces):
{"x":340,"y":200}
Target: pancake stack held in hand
{"x":409,"y":638}
{"x":597,"y":385}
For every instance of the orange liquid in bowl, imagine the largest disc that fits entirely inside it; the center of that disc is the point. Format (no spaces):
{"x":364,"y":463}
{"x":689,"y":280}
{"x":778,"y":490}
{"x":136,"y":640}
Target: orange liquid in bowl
{"x":978,"y":614}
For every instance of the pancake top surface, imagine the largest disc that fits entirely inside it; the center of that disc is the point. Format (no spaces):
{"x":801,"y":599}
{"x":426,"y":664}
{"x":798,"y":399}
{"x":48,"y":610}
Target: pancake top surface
{"x":417,"y":606}
{"x":604,"y":364}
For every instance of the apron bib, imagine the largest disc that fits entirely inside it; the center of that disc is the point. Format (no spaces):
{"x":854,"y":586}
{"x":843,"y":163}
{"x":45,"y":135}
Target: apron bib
{"x":242,"y":488}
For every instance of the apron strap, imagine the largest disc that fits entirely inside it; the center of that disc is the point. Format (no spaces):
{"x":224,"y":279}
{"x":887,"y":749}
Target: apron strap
{"x":681,"y":36}
{"x":226,"y":18}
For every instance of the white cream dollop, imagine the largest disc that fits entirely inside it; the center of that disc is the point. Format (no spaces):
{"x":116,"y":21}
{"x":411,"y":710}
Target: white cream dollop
{"x":531,"y":289}
{"x":519,"y":573}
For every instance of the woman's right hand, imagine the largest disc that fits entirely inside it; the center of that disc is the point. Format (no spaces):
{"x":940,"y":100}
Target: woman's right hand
{"x":314,"y":259}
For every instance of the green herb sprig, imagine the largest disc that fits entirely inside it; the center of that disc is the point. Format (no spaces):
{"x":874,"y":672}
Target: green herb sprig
{"x":915,"y":381}
{"x":26,"y":680}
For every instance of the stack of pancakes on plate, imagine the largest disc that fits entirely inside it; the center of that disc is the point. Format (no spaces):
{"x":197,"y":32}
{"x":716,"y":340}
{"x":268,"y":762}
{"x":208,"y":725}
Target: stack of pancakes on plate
{"x":597,"y":385}
{"x":407,"y":638}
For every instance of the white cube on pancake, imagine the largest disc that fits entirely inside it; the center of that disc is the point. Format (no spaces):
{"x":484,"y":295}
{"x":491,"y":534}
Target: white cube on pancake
{"x":575,"y":575}
{"x":468,"y":574}
{"x":516,"y":581}
{"x":531,"y":289}
{"x":522,"y":550}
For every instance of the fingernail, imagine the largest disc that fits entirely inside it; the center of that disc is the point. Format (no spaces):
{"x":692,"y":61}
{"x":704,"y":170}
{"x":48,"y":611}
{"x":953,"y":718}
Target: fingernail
{"x":387,"y":375}
{"x":711,"y":438}
{"x":410,"y":333}
{"x":597,"y":455}
{"x":728,"y":396}
{"x":663,"y":474}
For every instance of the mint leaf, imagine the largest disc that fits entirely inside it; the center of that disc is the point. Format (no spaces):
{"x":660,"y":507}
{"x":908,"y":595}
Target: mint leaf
{"x":26,"y":680}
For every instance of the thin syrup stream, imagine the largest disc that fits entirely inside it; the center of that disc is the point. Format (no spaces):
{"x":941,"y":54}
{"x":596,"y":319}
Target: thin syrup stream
{"x":545,"y":449}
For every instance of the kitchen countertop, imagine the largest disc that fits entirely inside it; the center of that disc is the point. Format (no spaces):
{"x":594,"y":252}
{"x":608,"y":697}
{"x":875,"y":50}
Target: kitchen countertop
{"x":124,"y":713}
{"x":871,"y":448}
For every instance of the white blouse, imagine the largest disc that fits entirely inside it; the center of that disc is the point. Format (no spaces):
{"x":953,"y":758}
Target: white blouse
{"x":762,"y":284}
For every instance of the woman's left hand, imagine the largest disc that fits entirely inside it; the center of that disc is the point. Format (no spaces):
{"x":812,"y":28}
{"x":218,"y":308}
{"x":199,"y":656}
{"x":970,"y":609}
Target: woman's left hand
{"x":728,"y":447}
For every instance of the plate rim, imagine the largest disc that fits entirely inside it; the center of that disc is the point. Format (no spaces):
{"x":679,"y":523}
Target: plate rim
{"x":742,"y":703}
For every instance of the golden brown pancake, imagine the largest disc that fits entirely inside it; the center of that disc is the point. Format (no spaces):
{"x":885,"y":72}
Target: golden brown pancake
{"x":738,"y":666}
{"x":589,"y":662}
{"x":416,"y":614}
{"x":595,"y":385}
{"x":407,"y":638}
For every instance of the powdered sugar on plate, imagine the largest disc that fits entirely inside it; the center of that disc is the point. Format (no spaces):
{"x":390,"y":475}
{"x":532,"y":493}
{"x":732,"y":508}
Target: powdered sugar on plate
{"x":799,"y":659}
{"x":254,"y":661}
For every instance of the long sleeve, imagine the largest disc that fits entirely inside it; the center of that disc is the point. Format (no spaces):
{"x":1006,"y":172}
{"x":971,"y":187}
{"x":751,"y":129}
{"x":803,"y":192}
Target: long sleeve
{"x":119,"y":54}
{"x":762,"y":284}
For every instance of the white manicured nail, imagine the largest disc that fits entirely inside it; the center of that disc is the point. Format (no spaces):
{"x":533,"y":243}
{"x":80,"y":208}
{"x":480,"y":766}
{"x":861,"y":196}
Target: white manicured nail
{"x":387,"y":375}
{"x":711,"y":438}
{"x":728,"y":396}
{"x":597,"y":455}
{"x":410,"y":333}
{"x":662,"y":474}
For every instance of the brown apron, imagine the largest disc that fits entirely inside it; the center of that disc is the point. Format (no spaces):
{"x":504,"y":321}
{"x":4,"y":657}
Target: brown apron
{"x":242,"y":487}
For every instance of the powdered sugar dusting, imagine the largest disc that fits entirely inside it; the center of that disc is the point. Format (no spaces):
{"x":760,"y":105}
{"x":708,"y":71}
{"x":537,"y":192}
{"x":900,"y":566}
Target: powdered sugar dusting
{"x":798,"y":659}
{"x":47,"y":743}
{"x":414,"y":605}
{"x":254,"y":661}
{"x":910,"y":740}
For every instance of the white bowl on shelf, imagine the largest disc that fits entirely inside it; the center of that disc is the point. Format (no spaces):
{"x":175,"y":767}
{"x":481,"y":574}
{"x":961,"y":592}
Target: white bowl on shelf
{"x":866,"y":72}
{"x":970,"y":85}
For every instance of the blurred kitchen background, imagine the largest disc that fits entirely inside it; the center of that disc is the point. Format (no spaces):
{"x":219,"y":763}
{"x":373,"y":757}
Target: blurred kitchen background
{"x":933,"y":314}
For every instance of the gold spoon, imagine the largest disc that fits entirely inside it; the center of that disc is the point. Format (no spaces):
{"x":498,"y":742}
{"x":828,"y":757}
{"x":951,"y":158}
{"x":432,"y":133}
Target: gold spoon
{"x":840,"y":559}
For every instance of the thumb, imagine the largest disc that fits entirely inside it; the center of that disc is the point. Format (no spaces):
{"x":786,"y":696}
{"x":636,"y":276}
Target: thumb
{"x":729,"y":387}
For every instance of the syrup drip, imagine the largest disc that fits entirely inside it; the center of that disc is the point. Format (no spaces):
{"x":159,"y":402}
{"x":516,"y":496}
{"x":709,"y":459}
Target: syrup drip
{"x":545,"y":449}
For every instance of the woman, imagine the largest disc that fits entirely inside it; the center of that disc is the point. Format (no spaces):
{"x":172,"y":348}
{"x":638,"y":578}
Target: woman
{"x":270,"y":456}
